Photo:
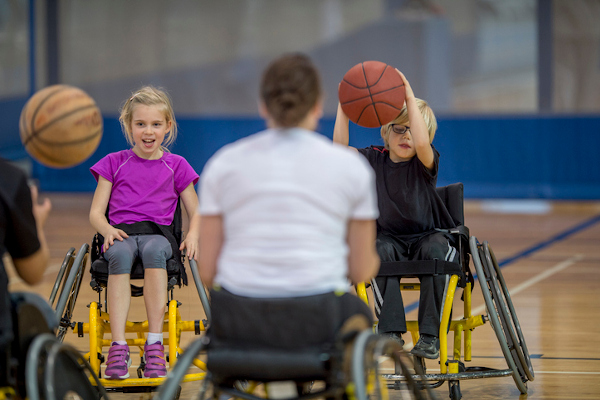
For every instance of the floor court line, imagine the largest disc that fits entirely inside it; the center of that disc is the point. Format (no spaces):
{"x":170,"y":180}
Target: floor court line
{"x":530,"y":282}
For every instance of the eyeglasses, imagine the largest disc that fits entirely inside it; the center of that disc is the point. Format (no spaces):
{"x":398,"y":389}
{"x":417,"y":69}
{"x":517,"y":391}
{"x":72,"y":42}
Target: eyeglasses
{"x":400,"y":129}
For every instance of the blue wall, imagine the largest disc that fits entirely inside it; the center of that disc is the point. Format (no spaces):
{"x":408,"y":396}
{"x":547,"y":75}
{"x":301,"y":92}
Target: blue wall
{"x":548,"y":157}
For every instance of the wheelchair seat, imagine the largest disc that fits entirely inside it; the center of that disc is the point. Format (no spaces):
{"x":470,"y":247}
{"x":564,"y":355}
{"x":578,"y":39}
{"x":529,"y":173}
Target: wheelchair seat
{"x":175,"y":269}
{"x":271,"y":339}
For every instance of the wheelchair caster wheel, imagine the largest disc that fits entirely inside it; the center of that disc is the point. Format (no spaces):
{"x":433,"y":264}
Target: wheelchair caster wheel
{"x":420,"y":366}
{"x":455,"y":393}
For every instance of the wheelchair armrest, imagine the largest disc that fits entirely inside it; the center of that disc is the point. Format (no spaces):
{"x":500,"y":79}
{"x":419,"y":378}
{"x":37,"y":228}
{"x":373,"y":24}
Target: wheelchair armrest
{"x":461,"y":231}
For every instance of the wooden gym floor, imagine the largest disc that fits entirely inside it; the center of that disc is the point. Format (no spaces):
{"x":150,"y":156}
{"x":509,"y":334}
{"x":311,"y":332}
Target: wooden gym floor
{"x":551,"y":263}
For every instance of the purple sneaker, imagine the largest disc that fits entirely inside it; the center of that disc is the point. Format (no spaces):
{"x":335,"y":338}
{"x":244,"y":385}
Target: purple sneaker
{"x":156,"y":366}
{"x":118,"y":362}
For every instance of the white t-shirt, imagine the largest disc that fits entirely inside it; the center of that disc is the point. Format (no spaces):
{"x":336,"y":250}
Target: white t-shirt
{"x":286,"y":197}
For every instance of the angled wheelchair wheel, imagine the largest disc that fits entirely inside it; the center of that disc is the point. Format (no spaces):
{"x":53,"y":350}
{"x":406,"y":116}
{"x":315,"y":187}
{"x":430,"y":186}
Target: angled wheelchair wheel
{"x":70,"y":290}
{"x":368,"y":351}
{"x":37,"y":356}
{"x":171,"y":386}
{"x":497,"y":314}
{"x":65,"y":266}
{"x":509,"y":316}
{"x":68,"y":375}
{"x":201,"y":290}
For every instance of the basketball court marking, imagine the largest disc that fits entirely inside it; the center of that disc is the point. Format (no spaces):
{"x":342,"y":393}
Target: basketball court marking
{"x":530,"y":282}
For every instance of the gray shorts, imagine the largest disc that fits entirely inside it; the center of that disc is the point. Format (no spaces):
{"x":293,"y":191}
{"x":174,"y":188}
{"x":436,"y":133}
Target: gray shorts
{"x":153,"y":250}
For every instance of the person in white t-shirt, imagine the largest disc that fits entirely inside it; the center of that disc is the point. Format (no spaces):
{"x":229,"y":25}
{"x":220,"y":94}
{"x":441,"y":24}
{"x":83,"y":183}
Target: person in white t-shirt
{"x":286,"y":213}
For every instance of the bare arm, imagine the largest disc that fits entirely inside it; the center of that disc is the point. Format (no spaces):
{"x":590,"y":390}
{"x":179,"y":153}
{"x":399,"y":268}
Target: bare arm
{"x":341,"y":131}
{"x":211,"y":242}
{"x":363,"y":261}
{"x":418,"y":128}
{"x":98,"y":217}
{"x":31,"y":268}
{"x":190,"y":201}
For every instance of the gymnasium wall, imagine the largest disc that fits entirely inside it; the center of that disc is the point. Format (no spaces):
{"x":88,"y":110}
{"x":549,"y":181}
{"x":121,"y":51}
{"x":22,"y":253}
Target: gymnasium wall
{"x":525,"y":157}
{"x":477,"y":62}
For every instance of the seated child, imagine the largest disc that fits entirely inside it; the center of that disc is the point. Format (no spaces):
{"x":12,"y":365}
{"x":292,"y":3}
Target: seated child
{"x":141,"y":187}
{"x":410,"y":210}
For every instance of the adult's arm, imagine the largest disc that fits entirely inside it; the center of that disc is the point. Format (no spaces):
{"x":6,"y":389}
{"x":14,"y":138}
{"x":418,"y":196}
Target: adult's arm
{"x":211,"y":242}
{"x":32,"y":267}
{"x":363,"y":261}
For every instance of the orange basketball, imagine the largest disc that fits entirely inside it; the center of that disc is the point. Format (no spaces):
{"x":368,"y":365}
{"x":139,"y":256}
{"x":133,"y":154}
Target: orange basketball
{"x":60,"y":126}
{"x":372,"y":94}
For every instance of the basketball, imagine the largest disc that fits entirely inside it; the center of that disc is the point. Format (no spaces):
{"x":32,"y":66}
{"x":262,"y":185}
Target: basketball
{"x":60,"y":126}
{"x":371,"y":94}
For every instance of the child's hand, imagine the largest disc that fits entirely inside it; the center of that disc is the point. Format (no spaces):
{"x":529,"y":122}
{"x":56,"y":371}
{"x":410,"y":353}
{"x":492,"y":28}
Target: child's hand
{"x":190,"y":244}
{"x":111,"y":235}
{"x":408,"y":89}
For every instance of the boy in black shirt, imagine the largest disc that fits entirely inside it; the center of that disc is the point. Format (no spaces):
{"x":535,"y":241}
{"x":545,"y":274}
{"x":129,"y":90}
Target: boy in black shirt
{"x":410,"y":210}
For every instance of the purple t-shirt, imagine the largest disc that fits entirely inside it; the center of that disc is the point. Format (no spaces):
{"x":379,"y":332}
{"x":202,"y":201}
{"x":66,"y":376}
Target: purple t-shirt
{"x":144,"y":190}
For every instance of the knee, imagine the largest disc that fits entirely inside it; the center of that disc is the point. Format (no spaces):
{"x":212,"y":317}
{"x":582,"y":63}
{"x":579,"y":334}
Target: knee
{"x":156,"y":252}
{"x":120,"y":258}
{"x":385,"y":249}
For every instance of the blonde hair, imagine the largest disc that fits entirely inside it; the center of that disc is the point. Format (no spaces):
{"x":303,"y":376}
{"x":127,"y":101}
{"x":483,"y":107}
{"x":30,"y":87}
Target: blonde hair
{"x":402,"y":119}
{"x":148,"y":96}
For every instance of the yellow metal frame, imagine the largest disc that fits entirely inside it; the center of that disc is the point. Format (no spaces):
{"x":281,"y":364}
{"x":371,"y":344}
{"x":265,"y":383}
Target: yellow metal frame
{"x":99,"y":325}
{"x":461,"y":327}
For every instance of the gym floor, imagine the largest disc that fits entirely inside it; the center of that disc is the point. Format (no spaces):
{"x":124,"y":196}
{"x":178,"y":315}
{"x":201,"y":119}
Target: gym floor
{"x":551,"y":263}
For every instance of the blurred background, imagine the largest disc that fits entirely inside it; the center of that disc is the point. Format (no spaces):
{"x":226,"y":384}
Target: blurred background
{"x":515,"y":84}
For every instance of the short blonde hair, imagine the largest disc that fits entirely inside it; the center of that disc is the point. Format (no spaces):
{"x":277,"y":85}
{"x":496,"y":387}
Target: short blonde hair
{"x":402,"y":119}
{"x":148,"y":96}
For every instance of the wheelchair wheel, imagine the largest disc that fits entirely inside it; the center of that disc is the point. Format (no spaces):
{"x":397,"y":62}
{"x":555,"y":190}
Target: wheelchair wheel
{"x":201,"y":290}
{"x":171,"y":388}
{"x":65,"y":266}
{"x":497,"y":310}
{"x":369,"y":348}
{"x":37,"y":356}
{"x":63,"y":361}
{"x":509,"y":316}
{"x":70,"y":290}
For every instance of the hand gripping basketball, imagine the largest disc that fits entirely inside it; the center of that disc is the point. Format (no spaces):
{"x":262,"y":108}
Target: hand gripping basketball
{"x":372,"y":94}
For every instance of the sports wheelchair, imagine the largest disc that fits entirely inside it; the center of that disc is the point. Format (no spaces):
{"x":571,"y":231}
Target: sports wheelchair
{"x":68,"y":283}
{"x":500,"y":310}
{"x":292,"y":348}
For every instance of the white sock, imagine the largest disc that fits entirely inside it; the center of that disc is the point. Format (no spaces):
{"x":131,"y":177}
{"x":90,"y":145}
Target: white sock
{"x":120,"y":342}
{"x":154,"y":337}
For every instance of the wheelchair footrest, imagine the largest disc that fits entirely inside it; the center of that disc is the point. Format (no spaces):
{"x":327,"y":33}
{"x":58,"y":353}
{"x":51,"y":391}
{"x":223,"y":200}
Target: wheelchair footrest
{"x":483,"y":373}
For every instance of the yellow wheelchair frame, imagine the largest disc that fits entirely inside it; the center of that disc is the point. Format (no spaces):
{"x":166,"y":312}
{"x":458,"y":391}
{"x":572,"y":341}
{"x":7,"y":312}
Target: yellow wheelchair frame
{"x":500,"y":310}
{"x":501,"y":314}
{"x":73,"y":268}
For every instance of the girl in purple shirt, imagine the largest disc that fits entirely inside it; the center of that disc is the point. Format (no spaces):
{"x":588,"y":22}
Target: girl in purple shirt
{"x":142,"y":184}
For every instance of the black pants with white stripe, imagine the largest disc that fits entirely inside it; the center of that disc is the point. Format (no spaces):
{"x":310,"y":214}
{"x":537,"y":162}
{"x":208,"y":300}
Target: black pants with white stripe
{"x":389,"y":306}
